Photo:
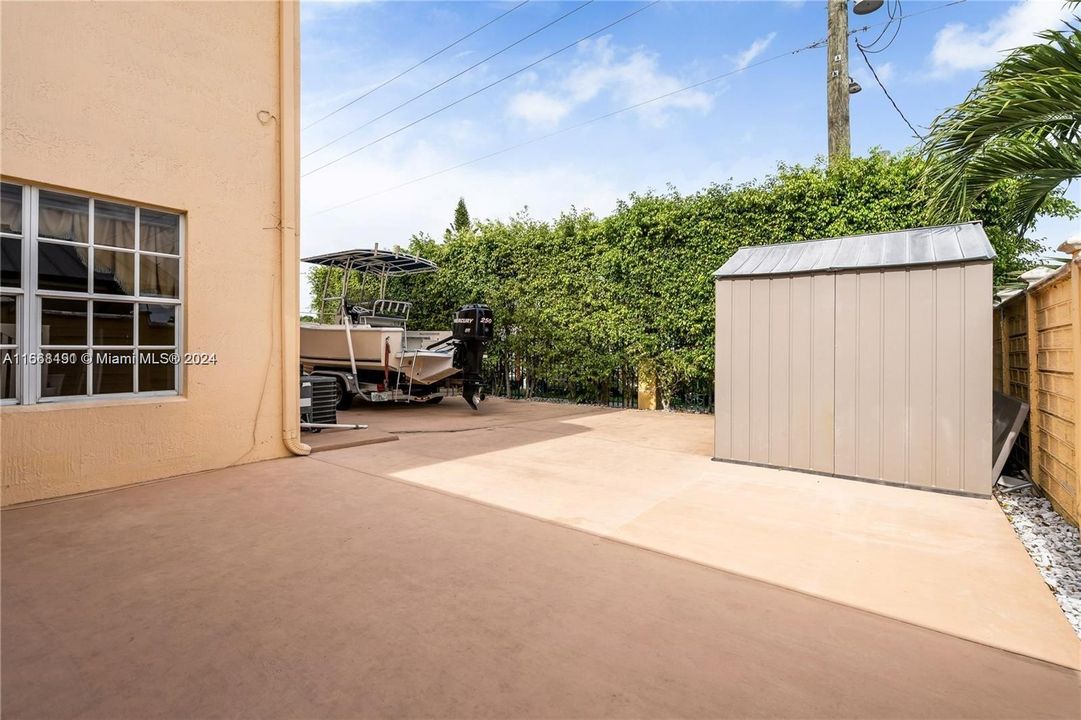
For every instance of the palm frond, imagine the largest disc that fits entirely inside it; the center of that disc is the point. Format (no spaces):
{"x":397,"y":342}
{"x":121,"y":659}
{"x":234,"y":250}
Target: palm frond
{"x":1022,"y":121}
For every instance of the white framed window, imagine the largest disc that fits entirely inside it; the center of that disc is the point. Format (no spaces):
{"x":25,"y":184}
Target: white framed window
{"x":91,"y":297}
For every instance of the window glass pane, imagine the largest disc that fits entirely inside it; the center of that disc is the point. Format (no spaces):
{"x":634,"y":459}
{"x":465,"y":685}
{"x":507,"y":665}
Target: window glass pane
{"x":114,"y":323}
{"x":114,"y":224}
{"x":158,"y":275}
{"x":62,"y":267}
{"x":159,"y":231}
{"x":11,"y":262}
{"x":62,"y":217}
{"x":63,"y":322}
{"x":114,"y":371}
{"x":7,"y":374}
{"x":156,"y":370}
{"x":114,"y":272}
{"x":8,"y":322}
{"x":11,"y":208}
{"x":157,"y":324}
{"x":67,"y":376}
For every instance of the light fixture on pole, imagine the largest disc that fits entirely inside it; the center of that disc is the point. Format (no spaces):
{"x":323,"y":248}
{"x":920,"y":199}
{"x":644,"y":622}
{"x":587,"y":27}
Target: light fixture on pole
{"x":853,"y":87}
{"x":864,"y":7}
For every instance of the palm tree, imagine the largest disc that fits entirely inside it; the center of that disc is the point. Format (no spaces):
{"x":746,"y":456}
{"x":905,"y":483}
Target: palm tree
{"x":1022,"y":121}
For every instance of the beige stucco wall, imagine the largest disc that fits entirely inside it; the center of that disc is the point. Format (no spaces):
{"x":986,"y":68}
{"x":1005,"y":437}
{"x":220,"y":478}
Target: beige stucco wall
{"x":157,"y":103}
{"x":881,"y":375}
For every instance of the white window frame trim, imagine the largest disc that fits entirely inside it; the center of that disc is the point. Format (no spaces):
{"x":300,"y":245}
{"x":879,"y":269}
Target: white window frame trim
{"x":28,"y":377}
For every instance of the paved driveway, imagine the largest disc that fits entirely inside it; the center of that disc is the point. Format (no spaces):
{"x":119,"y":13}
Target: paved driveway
{"x":305,"y":588}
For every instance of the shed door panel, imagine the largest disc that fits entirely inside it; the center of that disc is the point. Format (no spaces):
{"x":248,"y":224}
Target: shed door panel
{"x":869,"y":376}
{"x":846,"y":364}
{"x":758,"y":378}
{"x":800,"y":382}
{"x":823,"y":319}
{"x":949,"y":356}
{"x":741,"y":370}
{"x":921,"y":374}
{"x":722,"y":447}
{"x":780,"y":319}
{"x":895,"y":385}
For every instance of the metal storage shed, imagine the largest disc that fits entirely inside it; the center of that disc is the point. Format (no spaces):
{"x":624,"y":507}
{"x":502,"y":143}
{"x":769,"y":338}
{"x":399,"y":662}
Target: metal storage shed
{"x":867,"y":357}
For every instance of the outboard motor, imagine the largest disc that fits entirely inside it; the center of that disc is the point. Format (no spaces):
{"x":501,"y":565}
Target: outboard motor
{"x":473,"y":327}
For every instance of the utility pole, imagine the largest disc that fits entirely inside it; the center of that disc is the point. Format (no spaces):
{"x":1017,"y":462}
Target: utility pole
{"x":840,"y":139}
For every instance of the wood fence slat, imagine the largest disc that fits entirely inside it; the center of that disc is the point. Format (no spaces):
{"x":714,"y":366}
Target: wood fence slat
{"x":1040,"y":339}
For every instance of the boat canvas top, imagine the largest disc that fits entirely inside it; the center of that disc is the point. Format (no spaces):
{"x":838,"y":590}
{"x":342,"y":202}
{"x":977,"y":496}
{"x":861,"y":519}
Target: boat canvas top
{"x":387,"y":263}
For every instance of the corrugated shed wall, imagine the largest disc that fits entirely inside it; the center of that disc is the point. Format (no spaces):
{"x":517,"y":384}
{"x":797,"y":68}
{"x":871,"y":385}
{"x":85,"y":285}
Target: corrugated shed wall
{"x":1041,"y":328}
{"x":878,"y":374}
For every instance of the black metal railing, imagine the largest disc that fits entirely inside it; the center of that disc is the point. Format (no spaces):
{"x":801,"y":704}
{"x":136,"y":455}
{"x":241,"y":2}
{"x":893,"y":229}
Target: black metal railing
{"x":693,"y":396}
{"x":519,"y":381}
{"x":516,"y":380}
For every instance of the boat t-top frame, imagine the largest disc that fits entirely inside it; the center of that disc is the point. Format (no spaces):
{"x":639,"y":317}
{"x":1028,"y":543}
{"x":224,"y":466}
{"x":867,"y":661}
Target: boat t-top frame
{"x":379,"y":264}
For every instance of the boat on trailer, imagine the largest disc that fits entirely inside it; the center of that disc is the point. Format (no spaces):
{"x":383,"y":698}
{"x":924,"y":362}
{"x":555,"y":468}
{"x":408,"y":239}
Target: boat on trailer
{"x":366,"y":343}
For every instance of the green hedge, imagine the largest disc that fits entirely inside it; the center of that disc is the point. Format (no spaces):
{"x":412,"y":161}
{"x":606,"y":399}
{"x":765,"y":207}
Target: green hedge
{"x":634,"y":288}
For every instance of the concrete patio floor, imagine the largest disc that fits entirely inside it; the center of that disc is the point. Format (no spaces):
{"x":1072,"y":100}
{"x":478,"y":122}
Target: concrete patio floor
{"x":328,"y":587}
{"x":939,"y":561}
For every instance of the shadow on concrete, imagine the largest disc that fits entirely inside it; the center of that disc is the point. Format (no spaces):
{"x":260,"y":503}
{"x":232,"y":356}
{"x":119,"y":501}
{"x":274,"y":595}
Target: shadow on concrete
{"x":297,"y":589}
{"x":456,"y":432}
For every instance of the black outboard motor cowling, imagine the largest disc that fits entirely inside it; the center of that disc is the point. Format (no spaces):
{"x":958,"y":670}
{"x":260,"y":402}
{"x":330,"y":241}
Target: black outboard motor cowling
{"x":474,"y":326}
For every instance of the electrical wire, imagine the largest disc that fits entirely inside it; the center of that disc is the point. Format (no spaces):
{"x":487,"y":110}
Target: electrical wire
{"x":452,"y":77}
{"x":510,"y":148}
{"x":480,"y":90}
{"x":715,"y":78}
{"x":894,"y":12}
{"x":887,"y":92}
{"x":416,"y":65}
{"x":889,"y":11}
{"x":896,"y":17}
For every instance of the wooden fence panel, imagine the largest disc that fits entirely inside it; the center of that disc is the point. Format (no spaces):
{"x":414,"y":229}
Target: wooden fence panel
{"x":1036,"y":342}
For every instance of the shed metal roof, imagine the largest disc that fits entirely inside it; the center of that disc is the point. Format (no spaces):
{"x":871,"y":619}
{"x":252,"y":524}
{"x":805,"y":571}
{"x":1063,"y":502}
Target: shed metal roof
{"x":960,"y":243}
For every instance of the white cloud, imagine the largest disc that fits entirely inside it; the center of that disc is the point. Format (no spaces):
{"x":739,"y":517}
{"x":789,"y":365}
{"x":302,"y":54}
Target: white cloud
{"x":960,"y":47}
{"x":490,"y":190}
{"x":538,"y":108}
{"x":758,"y":47}
{"x":627,"y":77}
{"x":886,"y":72}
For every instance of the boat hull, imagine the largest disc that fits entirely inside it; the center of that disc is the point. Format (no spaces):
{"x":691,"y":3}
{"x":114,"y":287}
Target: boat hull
{"x":387,"y":350}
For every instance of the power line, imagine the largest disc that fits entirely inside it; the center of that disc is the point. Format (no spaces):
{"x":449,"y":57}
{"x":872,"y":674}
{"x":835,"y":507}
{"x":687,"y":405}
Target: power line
{"x":576,"y":126}
{"x":417,"y":65}
{"x":935,"y":8}
{"x":893,"y":9}
{"x":816,"y":44}
{"x":887,"y":92}
{"x":452,"y":77}
{"x":486,"y":87}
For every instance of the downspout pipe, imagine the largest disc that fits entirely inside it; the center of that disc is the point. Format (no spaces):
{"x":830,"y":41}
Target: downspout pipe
{"x":289,"y":194}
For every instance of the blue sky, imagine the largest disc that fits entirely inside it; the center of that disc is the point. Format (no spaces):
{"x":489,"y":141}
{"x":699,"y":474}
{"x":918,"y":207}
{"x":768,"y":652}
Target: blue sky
{"x":737,"y":128}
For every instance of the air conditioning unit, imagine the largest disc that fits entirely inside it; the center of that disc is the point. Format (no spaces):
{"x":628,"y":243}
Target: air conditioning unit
{"x":318,"y":398}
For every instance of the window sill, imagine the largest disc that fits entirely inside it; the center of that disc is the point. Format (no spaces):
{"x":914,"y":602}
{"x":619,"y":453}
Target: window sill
{"x":92,"y":403}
